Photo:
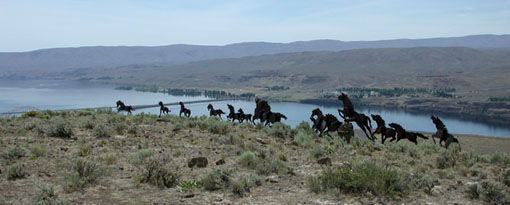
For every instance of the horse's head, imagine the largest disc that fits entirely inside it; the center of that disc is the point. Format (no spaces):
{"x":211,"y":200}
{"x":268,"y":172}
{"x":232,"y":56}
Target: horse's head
{"x":119,"y":103}
{"x":317,"y":112}
{"x":230,"y":107}
{"x":342,"y":96}
{"x":396,"y":126}
{"x":257,"y":100}
{"x":160,"y":103}
{"x":240,"y":110}
{"x":209,"y":107}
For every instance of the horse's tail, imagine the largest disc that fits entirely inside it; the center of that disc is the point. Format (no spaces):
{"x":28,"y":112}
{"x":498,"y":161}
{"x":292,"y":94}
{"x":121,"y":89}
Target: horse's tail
{"x":283,"y":116}
{"x":422,"y":136}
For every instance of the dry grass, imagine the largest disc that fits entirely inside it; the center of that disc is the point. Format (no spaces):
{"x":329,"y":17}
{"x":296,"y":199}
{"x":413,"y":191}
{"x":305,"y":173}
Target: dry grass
{"x":147,"y":163}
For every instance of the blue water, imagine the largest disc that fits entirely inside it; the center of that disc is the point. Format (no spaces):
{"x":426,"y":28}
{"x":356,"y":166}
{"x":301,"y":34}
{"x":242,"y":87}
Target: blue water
{"x":74,"y":94}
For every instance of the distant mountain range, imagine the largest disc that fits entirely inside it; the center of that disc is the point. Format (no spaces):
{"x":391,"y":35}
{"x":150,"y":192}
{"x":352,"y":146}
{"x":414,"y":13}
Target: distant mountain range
{"x":459,"y":67}
{"x":61,"y":59}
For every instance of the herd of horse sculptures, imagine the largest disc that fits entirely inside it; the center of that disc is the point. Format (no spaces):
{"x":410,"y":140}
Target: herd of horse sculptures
{"x":322,"y":124}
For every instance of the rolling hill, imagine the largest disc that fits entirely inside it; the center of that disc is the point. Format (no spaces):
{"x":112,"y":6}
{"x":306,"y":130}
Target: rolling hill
{"x":462,"y":68}
{"x":64,"y":60}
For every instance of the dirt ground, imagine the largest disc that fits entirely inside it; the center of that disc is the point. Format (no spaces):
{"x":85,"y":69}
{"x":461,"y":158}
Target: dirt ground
{"x":179,"y":140}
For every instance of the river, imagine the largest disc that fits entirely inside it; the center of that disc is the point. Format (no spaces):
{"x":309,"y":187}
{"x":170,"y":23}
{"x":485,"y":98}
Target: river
{"x":56,"y":95}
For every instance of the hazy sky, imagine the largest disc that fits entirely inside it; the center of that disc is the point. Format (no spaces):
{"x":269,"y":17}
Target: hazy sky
{"x":29,"y":25}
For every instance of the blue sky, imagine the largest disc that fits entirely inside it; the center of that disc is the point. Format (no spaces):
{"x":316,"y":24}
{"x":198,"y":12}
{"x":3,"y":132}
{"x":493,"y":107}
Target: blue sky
{"x":30,"y":25}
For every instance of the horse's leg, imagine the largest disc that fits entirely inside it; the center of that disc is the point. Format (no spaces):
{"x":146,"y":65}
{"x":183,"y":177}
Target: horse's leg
{"x":414,"y":139}
{"x":360,"y":125}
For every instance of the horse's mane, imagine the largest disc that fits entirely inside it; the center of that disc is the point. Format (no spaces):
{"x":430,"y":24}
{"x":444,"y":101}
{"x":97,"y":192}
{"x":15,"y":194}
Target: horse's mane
{"x":397,"y":127}
{"x":378,"y":119}
{"x":262,"y":106}
{"x":439,"y":124}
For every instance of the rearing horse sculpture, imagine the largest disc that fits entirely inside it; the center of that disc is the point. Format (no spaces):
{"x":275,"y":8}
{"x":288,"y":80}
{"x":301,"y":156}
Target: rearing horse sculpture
{"x":186,"y":111}
{"x":261,"y":107}
{"x":348,"y":114}
{"x":163,"y":109}
{"x":442,"y":133}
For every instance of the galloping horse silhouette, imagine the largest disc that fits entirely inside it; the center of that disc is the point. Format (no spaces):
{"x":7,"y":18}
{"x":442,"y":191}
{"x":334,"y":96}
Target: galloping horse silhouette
{"x":233,"y":114}
{"x":163,"y":109}
{"x":213,"y":112}
{"x":403,"y":134}
{"x":186,"y":111}
{"x":246,"y":117}
{"x":122,"y":107}
{"x":382,"y":129}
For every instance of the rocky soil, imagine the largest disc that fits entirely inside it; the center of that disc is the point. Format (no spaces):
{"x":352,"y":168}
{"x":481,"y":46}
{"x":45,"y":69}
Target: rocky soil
{"x":101,"y":157}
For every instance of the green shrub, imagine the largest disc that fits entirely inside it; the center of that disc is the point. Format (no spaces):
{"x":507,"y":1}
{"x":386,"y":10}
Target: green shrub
{"x":271,"y":165}
{"x":21,"y":131}
{"x":429,"y":148}
{"x":473,"y":192}
{"x":501,"y":159}
{"x":81,"y":173}
{"x":15,"y":153}
{"x":46,"y":196}
{"x":16,"y":171}
{"x":492,"y":193}
{"x":247,"y":159}
{"x":116,"y":118}
{"x":110,"y":159}
{"x":31,"y":113}
{"x":303,"y":139}
{"x":279,"y":130}
{"x":140,"y":157}
{"x":102,"y":131}
{"x":177,"y":128}
{"x":314,"y":184}
{"x":304,"y":127}
{"x":216,"y":179}
{"x":84,"y":150}
{"x":120,"y":127}
{"x":217,"y":127}
{"x":380,"y":180}
{"x":88,"y":124}
{"x":61,"y":129}
{"x":133,"y":130}
{"x":158,"y":172}
{"x":317,"y":152}
{"x":189,"y":185}
{"x":38,"y":150}
{"x":504,"y":177}
{"x":242,"y":186}
{"x":423,"y":182}
{"x":447,"y":159}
